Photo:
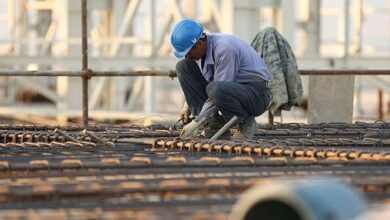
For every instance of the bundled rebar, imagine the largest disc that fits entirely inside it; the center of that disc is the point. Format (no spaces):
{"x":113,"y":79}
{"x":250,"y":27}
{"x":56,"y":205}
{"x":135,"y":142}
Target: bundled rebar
{"x":142,"y":172}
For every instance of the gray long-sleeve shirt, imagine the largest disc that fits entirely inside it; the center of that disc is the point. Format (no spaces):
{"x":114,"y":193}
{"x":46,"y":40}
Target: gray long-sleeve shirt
{"x":229,"y":58}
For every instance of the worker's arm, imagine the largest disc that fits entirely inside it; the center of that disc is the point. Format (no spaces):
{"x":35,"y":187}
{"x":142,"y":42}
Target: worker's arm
{"x":208,"y":110}
{"x":185,"y":113}
{"x":226,"y":68}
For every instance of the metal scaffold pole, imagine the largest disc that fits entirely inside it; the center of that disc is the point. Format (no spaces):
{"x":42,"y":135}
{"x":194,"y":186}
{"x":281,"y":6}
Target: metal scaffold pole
{"x":84,"y":61}
{"x":172,"y":73}
{"x":346,"y":33}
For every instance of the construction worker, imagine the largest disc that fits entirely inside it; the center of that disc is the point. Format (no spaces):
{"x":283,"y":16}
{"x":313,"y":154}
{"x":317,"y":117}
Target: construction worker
{"x":221,"y":73}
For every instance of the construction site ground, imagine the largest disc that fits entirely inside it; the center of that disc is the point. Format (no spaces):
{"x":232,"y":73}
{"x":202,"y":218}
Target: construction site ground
{"x":134,"y":172}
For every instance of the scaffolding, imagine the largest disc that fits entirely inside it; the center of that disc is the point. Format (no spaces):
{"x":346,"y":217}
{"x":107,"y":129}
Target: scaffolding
{"x":107,"y":48}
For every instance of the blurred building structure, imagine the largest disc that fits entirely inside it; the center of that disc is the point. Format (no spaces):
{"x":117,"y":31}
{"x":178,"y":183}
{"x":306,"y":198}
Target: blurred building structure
{"x":134,"y":34}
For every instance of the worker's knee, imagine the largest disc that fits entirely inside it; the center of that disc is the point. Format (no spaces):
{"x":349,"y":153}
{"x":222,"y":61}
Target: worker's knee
{"x":182,"y":66}
{"x":216,"y":90}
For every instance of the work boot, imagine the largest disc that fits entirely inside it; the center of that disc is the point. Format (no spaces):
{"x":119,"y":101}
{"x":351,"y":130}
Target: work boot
{"x":213,"y":126}
{"x":246,"y":129}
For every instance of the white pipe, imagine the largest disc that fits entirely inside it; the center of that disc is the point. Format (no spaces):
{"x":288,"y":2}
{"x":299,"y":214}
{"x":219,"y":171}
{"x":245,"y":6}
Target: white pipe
{"x":306,"y":199}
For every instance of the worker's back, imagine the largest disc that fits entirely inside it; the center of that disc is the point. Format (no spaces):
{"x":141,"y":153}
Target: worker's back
{"x":233,"y":56}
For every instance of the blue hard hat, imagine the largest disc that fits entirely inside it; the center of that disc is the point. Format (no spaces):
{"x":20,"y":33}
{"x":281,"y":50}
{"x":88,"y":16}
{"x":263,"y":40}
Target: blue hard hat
{"x":184,"y":36}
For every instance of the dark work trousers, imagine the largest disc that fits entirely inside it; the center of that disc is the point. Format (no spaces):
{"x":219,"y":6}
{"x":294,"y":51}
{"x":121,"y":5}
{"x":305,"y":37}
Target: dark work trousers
{"x":231,"y":98}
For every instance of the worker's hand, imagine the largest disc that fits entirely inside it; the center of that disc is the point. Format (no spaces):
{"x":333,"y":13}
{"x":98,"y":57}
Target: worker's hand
{"x":190,"y":129}
{"x":185,"y":113}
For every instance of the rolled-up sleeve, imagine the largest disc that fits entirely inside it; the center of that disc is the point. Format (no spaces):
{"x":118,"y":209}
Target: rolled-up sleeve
{"x":208,"y":110}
